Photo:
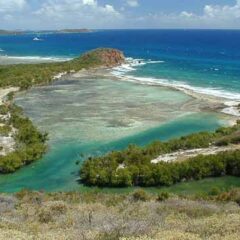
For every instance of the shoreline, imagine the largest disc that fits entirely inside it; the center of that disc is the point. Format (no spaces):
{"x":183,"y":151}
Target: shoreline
{"x":183,"y":155}
{"x":7,"y":141}
{"x":6,"y":60}
{"x":199,"y":103}
{"x":206,"y":102}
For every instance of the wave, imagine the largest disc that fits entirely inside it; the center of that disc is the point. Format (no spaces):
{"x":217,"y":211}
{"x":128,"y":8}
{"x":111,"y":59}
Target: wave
{"x":132,"y":65}
{"x":184,"y":86}
{"x":1,"y":50}
{"x":230,"y":99}
{"x":37,"y":58}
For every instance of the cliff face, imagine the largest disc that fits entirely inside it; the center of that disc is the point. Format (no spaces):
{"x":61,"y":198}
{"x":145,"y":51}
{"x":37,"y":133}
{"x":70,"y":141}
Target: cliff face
{"x":105,"y":57}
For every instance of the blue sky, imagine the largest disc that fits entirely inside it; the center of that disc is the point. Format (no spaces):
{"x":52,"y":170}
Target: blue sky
{"x":99,"y":14}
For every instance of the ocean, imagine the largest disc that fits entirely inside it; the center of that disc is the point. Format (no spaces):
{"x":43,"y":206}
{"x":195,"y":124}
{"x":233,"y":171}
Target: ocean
{"x":199,"y":58}
{"x":93,"y":116}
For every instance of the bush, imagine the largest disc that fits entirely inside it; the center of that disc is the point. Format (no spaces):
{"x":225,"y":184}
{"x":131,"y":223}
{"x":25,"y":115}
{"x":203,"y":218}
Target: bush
{"x":140,"y":195}
{"x":30,"y":143}
{"x":139,"y":171}
{"x":5,"y":130}
{"x":214,"y":191}
{"x":51,"y":210}
{"x":3,"y":109}
{"x":163,"y":196}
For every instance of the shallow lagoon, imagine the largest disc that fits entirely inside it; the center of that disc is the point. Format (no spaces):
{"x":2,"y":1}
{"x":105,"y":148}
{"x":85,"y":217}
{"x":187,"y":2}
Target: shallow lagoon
{"x":93,"y":116}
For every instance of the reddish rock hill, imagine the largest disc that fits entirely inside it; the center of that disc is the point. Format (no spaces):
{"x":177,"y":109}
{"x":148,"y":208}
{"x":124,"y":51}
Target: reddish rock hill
{"x":104,"y":57}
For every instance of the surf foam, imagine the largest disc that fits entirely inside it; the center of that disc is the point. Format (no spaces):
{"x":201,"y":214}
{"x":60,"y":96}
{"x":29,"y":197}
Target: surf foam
{"x":232,"y":98}
{"x":38,"y":58}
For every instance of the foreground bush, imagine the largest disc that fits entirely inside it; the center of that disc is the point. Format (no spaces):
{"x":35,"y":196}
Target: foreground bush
{"x":140,"y":195}
{"x":73,"y":216}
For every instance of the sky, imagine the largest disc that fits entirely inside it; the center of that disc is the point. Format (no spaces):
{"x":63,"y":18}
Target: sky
{"x":119,"y":14}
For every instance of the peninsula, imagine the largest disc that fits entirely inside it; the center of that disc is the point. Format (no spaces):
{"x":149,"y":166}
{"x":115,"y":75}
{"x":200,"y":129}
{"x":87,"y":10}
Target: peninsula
{"x":140,"y":215}
{"x":22,"y":143}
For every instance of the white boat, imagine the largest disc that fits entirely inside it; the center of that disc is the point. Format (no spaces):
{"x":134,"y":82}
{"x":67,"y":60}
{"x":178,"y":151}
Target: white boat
{"x":37,"y":39}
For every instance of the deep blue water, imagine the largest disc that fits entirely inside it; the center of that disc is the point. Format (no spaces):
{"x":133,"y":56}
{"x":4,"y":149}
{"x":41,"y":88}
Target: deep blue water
{"x":203,"y":58}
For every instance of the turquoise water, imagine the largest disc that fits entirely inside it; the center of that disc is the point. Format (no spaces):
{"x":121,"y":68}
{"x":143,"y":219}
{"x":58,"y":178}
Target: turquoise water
{"x":58,"y":169}
{"x":91,"y":117}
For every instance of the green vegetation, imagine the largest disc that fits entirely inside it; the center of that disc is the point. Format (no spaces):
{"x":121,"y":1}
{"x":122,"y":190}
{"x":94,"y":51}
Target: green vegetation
{"x":5,"y":130}
{"x":30,"y":143}
{"x":133,"y":167}
{"x":135,"y":216}
{"x":3,"y":110}
{"x":28,"y":75}
{"x":200,"y":187}
{"x":140,"y":195}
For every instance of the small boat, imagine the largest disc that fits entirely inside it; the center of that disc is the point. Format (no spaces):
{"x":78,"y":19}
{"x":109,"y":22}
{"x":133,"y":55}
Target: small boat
{"x":37,"y":39}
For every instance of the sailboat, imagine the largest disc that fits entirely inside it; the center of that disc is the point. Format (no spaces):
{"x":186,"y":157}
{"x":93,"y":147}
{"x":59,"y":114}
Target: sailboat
{"x":37,"y":39}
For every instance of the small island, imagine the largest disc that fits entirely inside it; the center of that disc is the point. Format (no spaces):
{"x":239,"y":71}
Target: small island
{"x":8,"y":32}
{"x":62,"y":31}
{"x":80,"y":30}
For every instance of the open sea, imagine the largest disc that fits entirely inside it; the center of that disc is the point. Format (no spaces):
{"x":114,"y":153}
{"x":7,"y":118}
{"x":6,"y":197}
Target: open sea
{"x":93,"y":116}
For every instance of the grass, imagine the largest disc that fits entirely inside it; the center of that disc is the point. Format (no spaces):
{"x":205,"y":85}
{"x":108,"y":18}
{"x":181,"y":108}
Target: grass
{"x":199,"y":187}
{"x":203,"y":186}
{"x":88,"y":216}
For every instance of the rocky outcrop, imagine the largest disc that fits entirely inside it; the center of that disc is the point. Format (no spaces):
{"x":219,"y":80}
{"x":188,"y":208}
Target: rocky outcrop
{"x":105,"y":57}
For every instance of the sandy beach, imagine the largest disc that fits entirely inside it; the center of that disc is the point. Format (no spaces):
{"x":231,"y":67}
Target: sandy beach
{"x":186,"y":154}
{"x":5,"y":91}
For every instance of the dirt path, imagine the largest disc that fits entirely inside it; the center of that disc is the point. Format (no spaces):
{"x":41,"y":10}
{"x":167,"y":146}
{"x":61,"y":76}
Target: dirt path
{"x":185,"y":154}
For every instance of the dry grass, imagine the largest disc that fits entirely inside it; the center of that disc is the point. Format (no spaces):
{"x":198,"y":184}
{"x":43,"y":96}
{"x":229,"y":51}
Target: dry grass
{"x":110,"y":217}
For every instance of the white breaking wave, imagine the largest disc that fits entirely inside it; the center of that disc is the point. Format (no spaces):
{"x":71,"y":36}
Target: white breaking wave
{"x":232,"y":98}
{"x":183,"y":86}
{"x":232,"y":108}
{"x":131,"y":65}
{"x":1,"y":50}
{"x":38,"y":58}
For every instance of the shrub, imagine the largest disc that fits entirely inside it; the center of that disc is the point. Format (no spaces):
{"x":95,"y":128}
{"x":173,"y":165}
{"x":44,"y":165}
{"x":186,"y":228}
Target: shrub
{"x":30,"y":143}
{"x":51,"y":210}
{"x":45,"y":216}
{"x":163,"y":196}
{"x":3,"y":109}
{"x":5,"y":130}
{"x":140,"y":195}
{"x":139,"y":171}
{"x":214,"y":191}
